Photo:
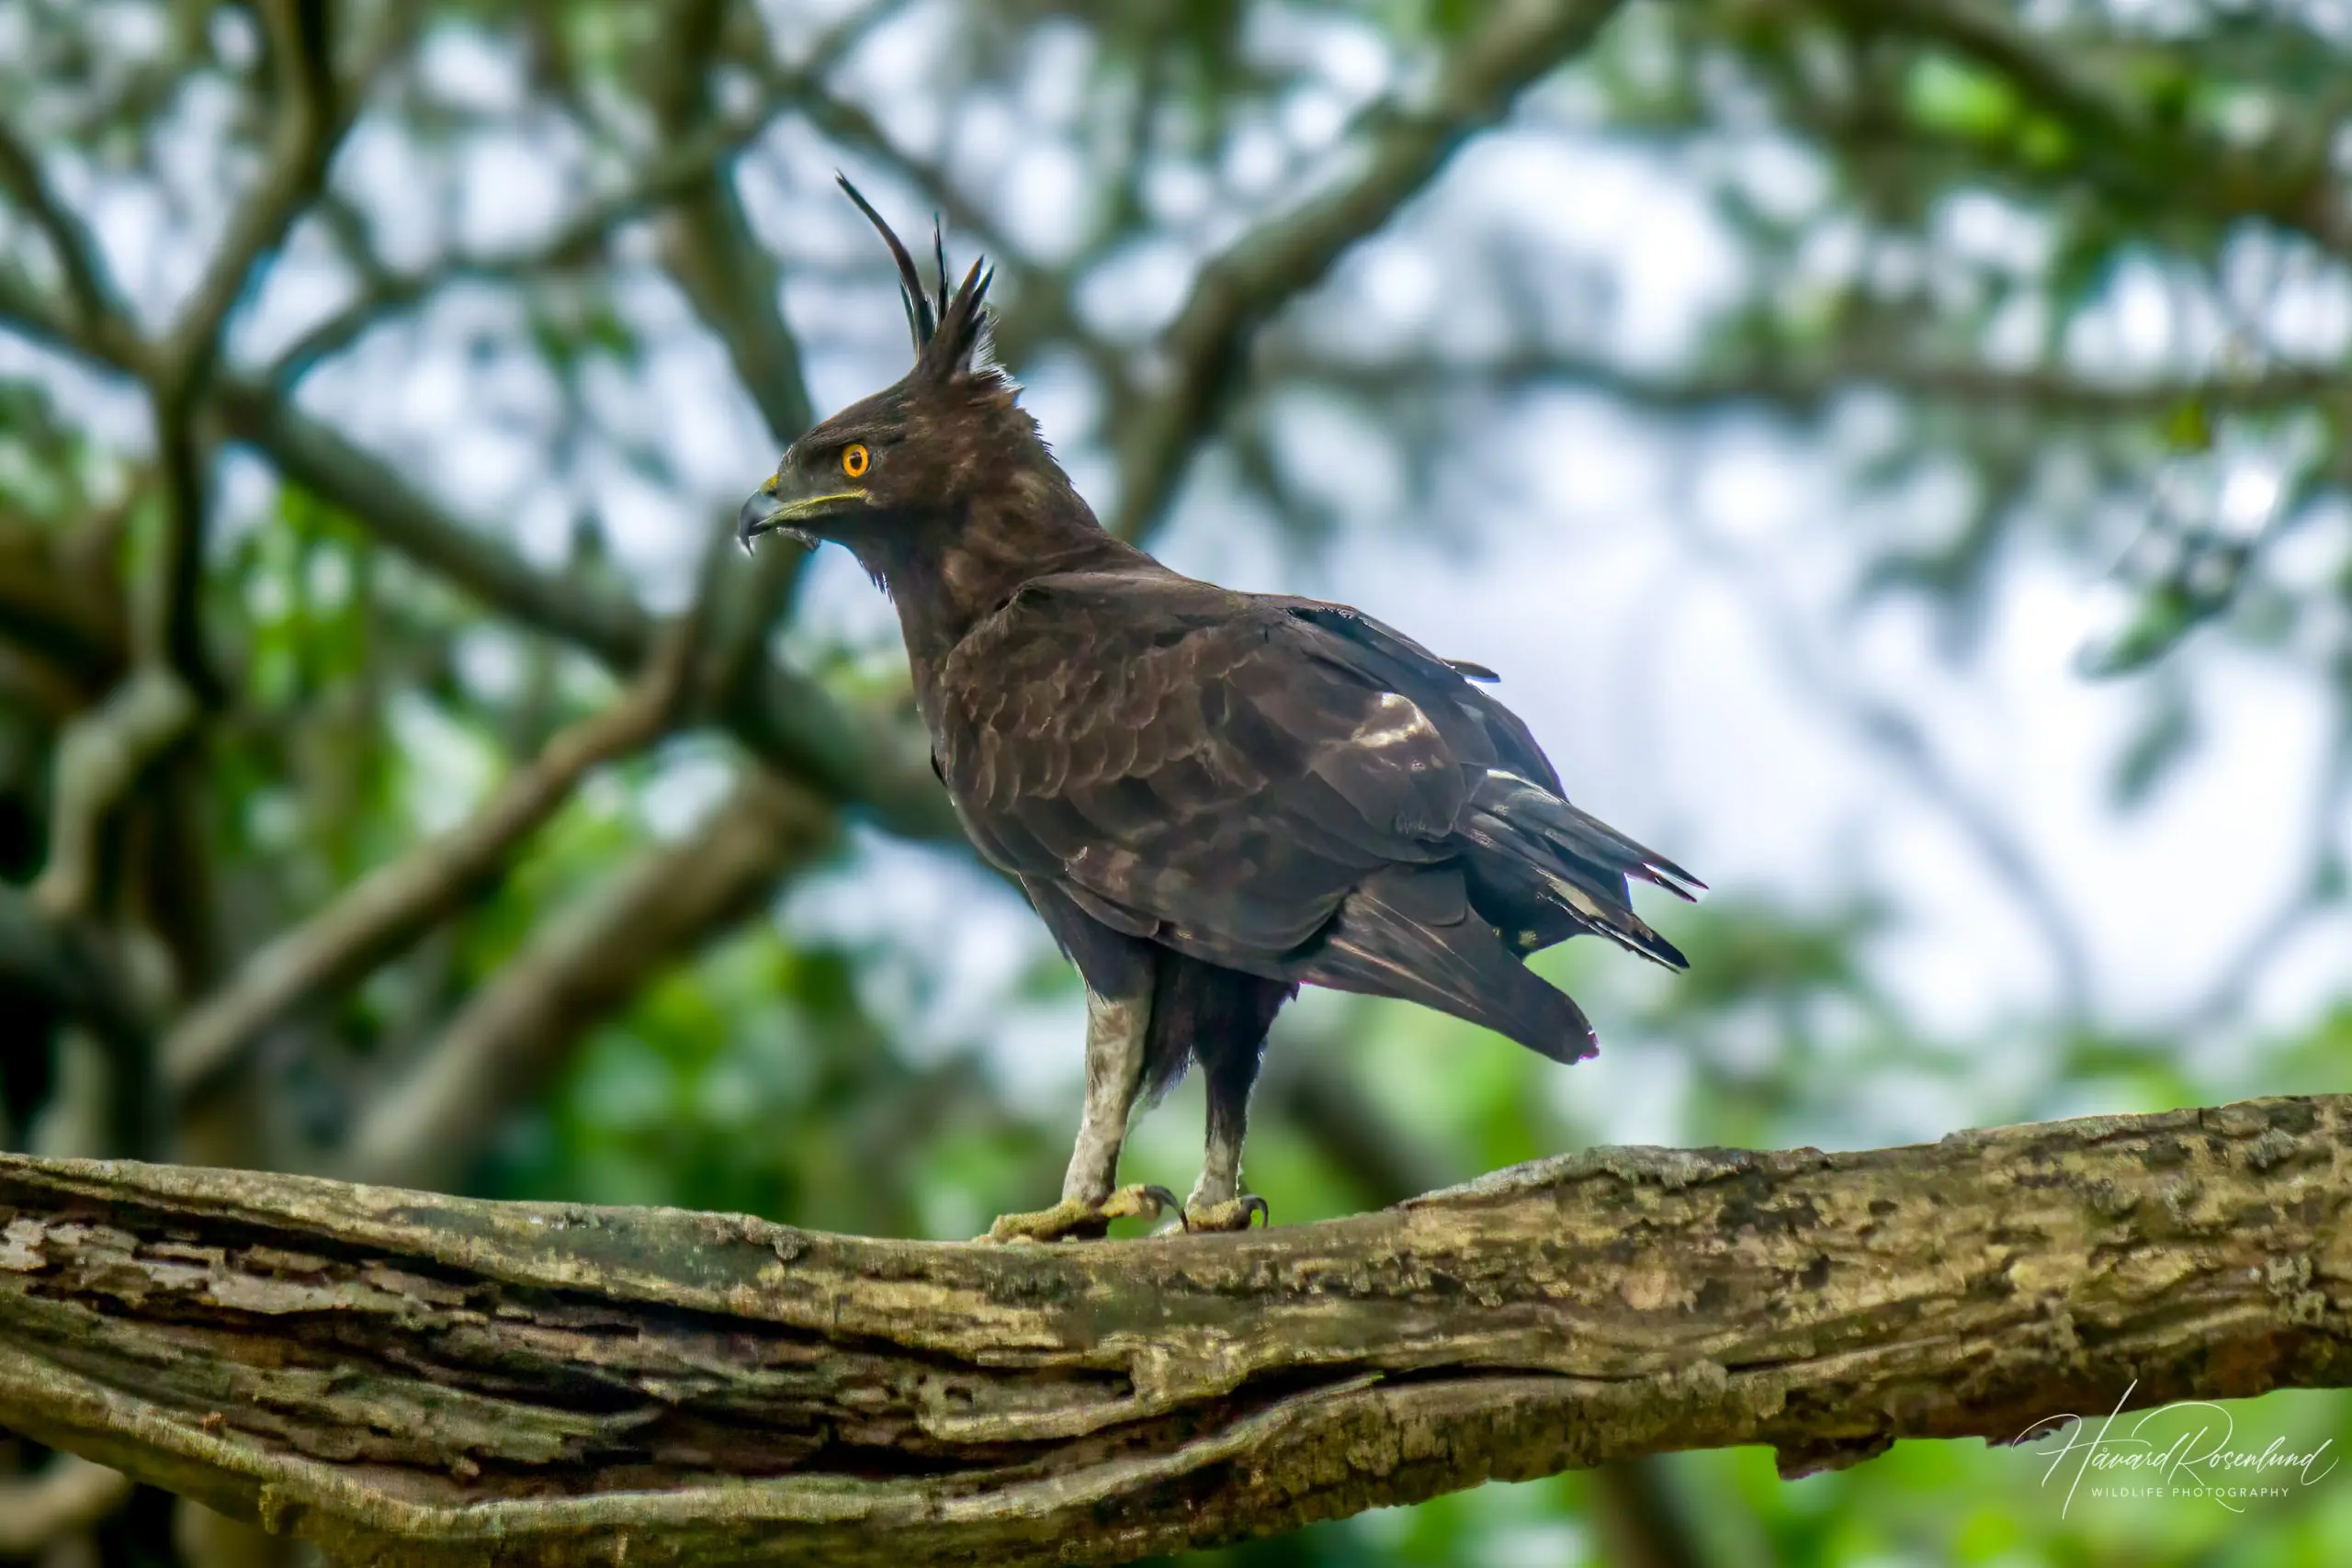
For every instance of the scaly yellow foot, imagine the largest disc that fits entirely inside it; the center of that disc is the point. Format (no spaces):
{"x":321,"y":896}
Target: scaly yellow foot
{"x":1233,"y":1214}
{"x":1075,"y":1219}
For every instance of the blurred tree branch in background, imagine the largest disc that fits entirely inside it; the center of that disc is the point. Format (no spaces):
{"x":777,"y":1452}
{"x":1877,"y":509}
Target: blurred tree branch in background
{"x":503,"y":1045}
{"x":399,"y":902}
{"x":407,"y":1377}
{"x":1194,"y":366}
{"x":69,"y":1494}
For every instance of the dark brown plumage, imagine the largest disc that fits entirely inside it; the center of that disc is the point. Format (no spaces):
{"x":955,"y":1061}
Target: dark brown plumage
{"x":1209,"y":797}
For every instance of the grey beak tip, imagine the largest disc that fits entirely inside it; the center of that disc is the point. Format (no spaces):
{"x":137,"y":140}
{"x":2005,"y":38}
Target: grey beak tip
{"x":754,"y":517}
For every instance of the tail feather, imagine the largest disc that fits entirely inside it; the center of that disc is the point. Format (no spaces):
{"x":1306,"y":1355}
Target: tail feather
{"x":1580,"y":863}
{"x":1405,"y":933}
{"x":1616,"y":923}
{"x":1582,"y":834}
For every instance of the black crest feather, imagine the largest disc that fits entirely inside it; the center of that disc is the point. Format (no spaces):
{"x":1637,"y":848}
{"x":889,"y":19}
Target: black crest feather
{"x":947,"y":329}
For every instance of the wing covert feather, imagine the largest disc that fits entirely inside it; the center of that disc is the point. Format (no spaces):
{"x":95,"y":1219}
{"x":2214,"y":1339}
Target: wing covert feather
{"x":1188,"y":756}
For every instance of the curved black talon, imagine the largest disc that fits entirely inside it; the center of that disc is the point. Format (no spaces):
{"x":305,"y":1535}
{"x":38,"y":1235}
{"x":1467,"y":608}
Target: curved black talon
{"x":1217,"y":1218}
{"x":1166,"y":1199}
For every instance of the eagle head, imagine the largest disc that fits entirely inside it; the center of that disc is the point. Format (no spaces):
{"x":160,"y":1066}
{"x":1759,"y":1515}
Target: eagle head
{"x":910,"y":455}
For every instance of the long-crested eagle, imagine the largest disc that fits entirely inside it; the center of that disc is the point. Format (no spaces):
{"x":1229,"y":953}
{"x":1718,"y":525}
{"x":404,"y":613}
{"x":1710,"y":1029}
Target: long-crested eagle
{"x":1210,"y":797}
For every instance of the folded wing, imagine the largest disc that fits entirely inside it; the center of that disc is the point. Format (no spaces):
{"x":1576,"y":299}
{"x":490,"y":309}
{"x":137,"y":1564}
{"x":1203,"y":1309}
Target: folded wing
{"x":1283,"y":786}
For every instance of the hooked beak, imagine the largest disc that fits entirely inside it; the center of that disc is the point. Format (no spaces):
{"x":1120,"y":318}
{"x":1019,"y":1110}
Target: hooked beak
{"x":771,"y":511}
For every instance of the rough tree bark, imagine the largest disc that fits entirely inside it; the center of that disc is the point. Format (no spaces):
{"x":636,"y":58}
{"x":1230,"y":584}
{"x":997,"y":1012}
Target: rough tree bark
{"x":411,"y":1379}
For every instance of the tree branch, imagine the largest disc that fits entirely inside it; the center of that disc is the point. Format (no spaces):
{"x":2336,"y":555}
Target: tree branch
{"x":304,"y":141}
{"x":99,"y":757}
{"x":400,"y":901}
{"x":69,"y":1494}
{"x":73,"y":964}
{"x":735,"y":286}
{"x":576,"y":971}
{"x":180,"y":366}
{"x":1201,"y":354}
{"x":1804,"y":383}
{"x":2289,"y":176}
{"x":96,"y":311}
{"x":682,"y":167}
{"x":850,"y":757}
{"x":608,"y":624}
{"x":409,"y":1380}
{"x":1633,"y":1501}
{"x":84,"y":974}
{"x":60,"y":604}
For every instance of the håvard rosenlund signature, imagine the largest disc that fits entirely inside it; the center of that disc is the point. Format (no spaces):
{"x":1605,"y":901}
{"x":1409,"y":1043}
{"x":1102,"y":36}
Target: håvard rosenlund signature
{"x":2174,"y":1451}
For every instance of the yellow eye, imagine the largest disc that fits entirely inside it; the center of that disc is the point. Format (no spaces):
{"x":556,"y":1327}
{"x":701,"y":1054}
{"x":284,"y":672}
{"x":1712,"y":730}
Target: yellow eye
{"x":855,"y":457}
